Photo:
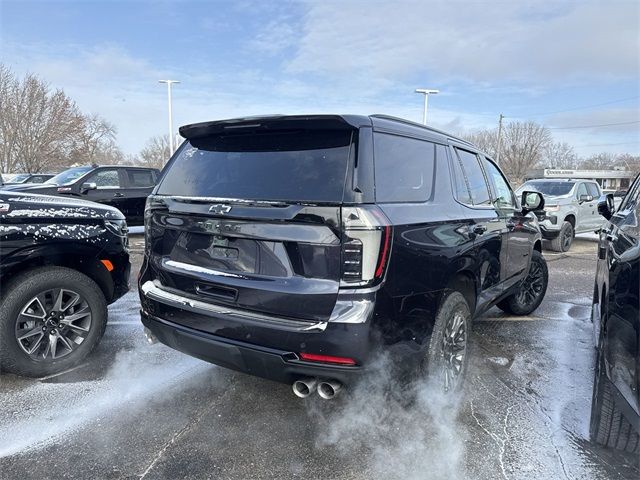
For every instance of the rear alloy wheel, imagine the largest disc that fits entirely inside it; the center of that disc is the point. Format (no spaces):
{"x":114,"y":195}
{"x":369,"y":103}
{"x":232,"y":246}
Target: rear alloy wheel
{"x":562,"y":243}
{"x":448,"y":350}
{"x":50,"y":319}
{"x":532,"y":289}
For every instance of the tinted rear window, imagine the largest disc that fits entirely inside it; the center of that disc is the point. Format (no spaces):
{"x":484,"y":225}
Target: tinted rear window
{"x":296,"y":166}
{"x":404,"y":168}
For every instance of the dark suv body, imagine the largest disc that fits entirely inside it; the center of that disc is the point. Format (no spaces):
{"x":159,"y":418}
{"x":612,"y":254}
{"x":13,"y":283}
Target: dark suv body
{"x":615,"y":413}
{"x":62,"y":261}
{"x":125,"y":188}
{"x":292,"y":247}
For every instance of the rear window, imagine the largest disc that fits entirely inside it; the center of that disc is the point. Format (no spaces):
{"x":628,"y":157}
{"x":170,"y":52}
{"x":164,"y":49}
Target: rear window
{"x":404,"y":168}
{"x":549,"y":188}
{"x":295,"y":166}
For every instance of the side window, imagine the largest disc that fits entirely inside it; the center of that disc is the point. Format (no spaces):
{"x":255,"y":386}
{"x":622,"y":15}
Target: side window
{"x":474,"y":177}
{"x":105,"y":179}
{"x":582,"y":190}
{"x":461,"y":187}
{"x":403,"y":168}
{"x":140,"y":178}
{"x":633,"y":195}
{"x":592,"y":188}
{"x":502,"y":191}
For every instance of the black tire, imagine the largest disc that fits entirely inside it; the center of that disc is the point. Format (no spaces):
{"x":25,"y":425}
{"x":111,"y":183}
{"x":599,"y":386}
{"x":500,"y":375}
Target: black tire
{"x":532,"y":290}
{"x":608,"y":426}
{"x":22,"y":289}
{"x":436,"y":367}
{"x":562,"y":243}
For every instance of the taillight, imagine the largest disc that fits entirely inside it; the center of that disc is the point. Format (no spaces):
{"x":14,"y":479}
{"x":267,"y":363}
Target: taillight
{"x":366,"y":244}
{"x":312,"y":357}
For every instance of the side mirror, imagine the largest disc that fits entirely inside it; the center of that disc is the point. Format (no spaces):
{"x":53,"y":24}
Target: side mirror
{"x":585,"y":198}
{"x":531,"y":202}
{"x":606,"y":206}
{"x":88,"y":186}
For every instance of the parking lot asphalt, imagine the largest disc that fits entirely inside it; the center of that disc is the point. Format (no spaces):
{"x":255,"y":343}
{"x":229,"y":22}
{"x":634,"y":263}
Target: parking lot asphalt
{"x":135,"y":410}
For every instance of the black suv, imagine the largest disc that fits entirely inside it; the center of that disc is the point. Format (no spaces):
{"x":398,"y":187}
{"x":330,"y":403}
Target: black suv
{"x":125,"y":188}
{"x":615,"y":411}
{"x":291,"y":247}
{"x":61,"y":262}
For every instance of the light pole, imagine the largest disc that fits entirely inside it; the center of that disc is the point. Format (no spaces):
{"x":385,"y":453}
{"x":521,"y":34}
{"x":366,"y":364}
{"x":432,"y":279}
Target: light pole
{"x":169,"y":83}
{"x":426,"y":92}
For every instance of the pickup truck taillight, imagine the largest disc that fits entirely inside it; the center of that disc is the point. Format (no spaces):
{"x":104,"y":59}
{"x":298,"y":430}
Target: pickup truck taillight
{"x":366,"y":244}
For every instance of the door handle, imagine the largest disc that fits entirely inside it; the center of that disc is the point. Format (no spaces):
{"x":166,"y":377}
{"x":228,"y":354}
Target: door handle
{"x":118,"y":194}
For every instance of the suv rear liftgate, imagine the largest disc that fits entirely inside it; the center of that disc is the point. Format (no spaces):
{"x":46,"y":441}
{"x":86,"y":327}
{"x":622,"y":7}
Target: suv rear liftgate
{"x":256,"y":257}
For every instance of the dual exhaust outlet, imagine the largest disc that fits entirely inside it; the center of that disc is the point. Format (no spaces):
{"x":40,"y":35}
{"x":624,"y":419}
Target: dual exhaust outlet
{"x":327,"y":389}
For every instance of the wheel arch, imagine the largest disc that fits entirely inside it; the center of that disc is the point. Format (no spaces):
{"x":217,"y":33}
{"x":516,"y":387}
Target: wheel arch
{"x":464,"y":282}
{"x":571,"y":218}
{"x":83,"y":258}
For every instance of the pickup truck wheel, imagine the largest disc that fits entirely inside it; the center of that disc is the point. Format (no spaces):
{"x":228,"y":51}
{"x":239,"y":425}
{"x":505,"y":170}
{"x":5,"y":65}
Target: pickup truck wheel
{"x":532,"y":290}
{"x":608,"y":425}
{"x":447,"y":358}
{"x":50,"y":319}
{"x":562,"y":243}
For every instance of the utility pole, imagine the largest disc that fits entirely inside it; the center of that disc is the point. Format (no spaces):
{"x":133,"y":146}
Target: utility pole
{"x":169,"y":83}
{"x":426,"y":92}
{"x":499,"y":139}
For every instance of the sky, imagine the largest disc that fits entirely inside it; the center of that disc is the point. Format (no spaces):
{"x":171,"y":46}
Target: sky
{"x":562,"y":64}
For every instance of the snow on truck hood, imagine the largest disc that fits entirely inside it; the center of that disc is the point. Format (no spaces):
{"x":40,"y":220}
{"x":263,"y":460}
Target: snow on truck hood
{"x":34,"y":205}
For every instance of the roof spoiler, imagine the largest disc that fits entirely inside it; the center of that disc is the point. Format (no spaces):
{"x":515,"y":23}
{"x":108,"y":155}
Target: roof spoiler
{"x":266,"y":123}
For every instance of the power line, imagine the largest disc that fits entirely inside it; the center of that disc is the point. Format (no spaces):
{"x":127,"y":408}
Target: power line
{"x":594,"y":126}
{"x":583,"y":107}
{"x":607,"y":144}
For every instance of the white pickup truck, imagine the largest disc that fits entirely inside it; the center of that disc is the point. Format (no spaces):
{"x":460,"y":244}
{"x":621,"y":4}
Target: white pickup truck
{"x":571,"y":206}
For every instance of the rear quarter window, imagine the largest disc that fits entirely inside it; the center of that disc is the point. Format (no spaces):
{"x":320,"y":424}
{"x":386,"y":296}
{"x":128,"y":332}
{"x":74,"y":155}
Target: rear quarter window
{"x":403,"y":168}
{"x":141,"y":178}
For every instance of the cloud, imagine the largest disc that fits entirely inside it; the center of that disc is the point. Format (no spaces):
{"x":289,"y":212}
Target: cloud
{"x":533,"y":43}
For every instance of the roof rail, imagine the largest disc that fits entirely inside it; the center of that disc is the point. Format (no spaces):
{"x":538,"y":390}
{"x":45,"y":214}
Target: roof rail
{"x":416,"y":124}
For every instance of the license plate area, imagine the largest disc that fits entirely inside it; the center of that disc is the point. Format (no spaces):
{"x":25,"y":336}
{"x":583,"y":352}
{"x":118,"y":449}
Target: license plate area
{"x":238,"y":255}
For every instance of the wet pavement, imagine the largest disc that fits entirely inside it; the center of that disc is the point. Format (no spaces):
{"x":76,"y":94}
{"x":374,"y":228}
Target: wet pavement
{"x":144,"y":411}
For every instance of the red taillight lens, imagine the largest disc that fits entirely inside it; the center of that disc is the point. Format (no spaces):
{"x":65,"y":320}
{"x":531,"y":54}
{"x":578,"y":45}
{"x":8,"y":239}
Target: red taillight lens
{"x":312,"y":357}
{"x":386,"y":245}
{"x":366,"y":244}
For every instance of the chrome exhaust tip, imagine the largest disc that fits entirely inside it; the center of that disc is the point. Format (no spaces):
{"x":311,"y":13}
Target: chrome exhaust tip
{"x":151,"y":338}
{"x":329,"y":389}
{"x":304,"y":387}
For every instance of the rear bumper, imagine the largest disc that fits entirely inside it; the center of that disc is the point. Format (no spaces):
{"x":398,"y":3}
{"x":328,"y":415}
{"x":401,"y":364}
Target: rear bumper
{"x":257,"y":344}
{"x":270,"y":363}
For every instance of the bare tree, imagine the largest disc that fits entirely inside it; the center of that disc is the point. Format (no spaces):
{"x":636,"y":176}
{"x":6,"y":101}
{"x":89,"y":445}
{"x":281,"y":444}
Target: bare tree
{"x":38,"y":127}
{"x":559,"y":155}
{"x":523,"y":146}
{"x":485,"y":140}
{"x":156,"y":152}
{"x":599,"y":161}
{"x":96,"y":143}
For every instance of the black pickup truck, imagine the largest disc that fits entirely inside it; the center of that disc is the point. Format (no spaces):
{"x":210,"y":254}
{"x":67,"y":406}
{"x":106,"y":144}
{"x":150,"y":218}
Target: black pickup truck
{"x":62,"y":261}
{"x":123,"y":187}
